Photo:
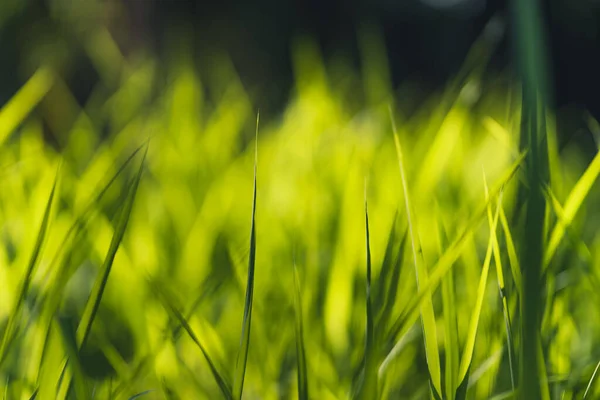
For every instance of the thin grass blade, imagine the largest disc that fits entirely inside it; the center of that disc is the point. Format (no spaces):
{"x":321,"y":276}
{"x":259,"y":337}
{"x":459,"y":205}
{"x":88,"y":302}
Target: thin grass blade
{"x":501,"y":285}
{"x":426,"y":307}
{"x":465,"y":363}
{"x":26,"y":282}
{"x":591,"y":382}
{"x":174,"y":312}
{"x":368,"y":387}
{"x":240,"y":367}
{"x":95,"y":298}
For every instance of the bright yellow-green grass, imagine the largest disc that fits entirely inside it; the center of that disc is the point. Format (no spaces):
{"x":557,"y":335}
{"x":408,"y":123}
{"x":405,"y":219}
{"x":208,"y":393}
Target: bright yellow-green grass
{"x":125,"y":255}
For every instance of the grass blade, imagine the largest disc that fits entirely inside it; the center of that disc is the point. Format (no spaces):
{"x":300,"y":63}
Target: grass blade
{"x":145,"y":392}
{"x":465,"y":363}
{"x":451,"y":344}
{"x":368,"y":387}
{"x":300,"y":351}
{"x":26,"y":282}
{"x":173,"y":310}
{"x":70,"y":346}
{"x":240,"y":367}
{"x":446,"y":261}
{"x":93,"y":302}
{"x":573,"y":203}
{"x":501,"y":285}
{"x":21,"y":104}
{"x":591,"y":382}
{"x":426,"y":307}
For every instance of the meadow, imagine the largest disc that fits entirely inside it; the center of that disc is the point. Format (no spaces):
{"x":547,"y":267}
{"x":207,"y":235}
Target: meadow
{"x":172,"y":244}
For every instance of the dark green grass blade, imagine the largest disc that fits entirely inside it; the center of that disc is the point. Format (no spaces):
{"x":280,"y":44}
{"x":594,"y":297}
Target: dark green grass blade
{"x":368,"y":386}
{"x":93,"y":302}
{"x":24,"y":288}
{"x":78,"y":382}
{"x":591,"y":382}
{"x":174,"y":312}
{"x":145,"y":392}
{"x":300,"y":350}
{"x":240,"y":367}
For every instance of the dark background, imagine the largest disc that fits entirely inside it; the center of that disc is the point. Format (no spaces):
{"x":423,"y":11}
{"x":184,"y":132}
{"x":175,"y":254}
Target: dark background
{"x":426,"y":40}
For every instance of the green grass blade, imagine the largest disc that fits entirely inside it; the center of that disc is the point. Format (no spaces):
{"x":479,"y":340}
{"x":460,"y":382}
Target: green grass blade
{"x":300,"y":350}
{"x":93,"y":302}
{"x":21,"y":104}
{"x":573,"y":203}
{"x":591,"y":382}
{"x":501,"y":286}
{"x":451,"y":344}
{"x":368,"y":388}
{"x":467,"y":357}
{"x":392,"y":288}
{"x":26,"y":282}
{"x":446,"y":261}
{"x":145,"y":392}
{"x":173,"y":310}
{"x":70,"y":346}
{"x":426,"y":307}
{"x":240,"y":367}
{"x":383,"y":281}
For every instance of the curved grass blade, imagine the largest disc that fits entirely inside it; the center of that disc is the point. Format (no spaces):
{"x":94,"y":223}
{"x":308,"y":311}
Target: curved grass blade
{"x":426,"y":307}
{"x":174,"y":312}
{"x":240,"y":367}
{"x":93,"y":302}
{"x":300,"y":351}
{"x":368,"y":386}
{"x":591,"y":382}
{"x":465,"y":363}
{"x":25,"y":283}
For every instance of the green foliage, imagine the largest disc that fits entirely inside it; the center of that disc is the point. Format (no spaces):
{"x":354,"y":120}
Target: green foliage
{"x":143,"y":299}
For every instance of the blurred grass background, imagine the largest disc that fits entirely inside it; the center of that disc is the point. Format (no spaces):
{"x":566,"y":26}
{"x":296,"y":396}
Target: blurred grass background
{"x":128,"y":226}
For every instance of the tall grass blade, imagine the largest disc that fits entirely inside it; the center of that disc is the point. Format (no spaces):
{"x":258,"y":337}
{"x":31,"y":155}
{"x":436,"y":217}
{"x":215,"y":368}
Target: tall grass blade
{"x":93,"y":302}
{"x":451,"y":344}
{"x":467,"y":357}
{"x":427,"y":313}
{"x":501,"y":285}
{"x":368,"y":388}
{"x":300,"y":350}
{"x":15,"y":315}
{"x":240,"y":367}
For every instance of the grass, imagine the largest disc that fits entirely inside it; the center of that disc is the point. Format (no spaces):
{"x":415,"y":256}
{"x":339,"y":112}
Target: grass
{"x":132,"y":272}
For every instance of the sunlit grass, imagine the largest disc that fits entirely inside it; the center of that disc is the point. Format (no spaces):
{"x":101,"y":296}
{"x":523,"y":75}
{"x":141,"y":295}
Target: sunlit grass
{"x":164,"y":261}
